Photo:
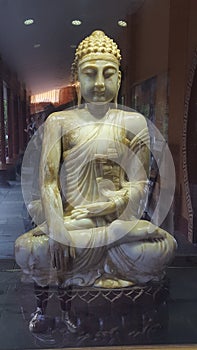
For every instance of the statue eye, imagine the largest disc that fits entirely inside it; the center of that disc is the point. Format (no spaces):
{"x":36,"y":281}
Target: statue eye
{"x":109,"y":72}
{"x":90,"y":72}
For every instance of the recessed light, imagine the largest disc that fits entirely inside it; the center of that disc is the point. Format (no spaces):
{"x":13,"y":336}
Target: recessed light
{"x":122,"y":23}
{"x":76,"y":22}
{"x":36,"y":46}
{"x":28,"y":21}
{"x":73,"y":46}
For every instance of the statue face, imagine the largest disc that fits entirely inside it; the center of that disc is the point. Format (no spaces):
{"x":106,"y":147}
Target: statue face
{"x":99,"y":80}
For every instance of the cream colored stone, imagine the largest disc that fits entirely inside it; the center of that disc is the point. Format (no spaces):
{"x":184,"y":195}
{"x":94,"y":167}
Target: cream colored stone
{"x":95,"y":237}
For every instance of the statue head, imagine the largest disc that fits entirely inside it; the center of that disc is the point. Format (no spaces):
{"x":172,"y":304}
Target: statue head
{"x":96,"y":68}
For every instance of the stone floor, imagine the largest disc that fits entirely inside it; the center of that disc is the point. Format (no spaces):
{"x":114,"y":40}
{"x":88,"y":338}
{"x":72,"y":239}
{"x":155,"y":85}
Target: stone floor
{"x":113,"y":319}
{"x":12,"y":213}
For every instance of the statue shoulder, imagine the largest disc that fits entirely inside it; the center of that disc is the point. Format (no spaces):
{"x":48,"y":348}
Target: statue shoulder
{"x":60,"y":118}
{"x":134,"y":122}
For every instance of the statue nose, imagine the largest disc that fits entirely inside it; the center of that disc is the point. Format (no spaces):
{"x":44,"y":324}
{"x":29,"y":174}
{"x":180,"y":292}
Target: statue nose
{"x":99,"y":84}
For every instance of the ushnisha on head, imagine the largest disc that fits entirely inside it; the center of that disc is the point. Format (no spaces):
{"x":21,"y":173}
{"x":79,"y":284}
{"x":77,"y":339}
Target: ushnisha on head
{"x":95,"y":70}
{"x":96,"y":46}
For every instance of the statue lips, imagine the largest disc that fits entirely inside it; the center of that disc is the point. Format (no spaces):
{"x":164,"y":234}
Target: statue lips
{"x":99,"y":95}
{"x":99,"y":92}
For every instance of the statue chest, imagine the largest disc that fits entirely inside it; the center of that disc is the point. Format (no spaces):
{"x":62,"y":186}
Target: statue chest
{"x":95,"y":150}
{"x":98,"y":138}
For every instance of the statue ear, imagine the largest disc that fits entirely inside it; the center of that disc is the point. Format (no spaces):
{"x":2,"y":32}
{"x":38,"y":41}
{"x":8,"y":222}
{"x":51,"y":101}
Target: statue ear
{"x":119,"y":78}
{"x":118,"y":87}
{"x":78,"y":91}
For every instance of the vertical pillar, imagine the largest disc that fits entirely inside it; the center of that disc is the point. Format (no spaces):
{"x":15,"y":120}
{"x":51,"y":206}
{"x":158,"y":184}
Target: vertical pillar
{"x":12,"y":135}
{"x":15,"y":128}
{"x":20,"y":125}
{"x":177,"y":60}
{"x":10,"y":131}
{"x":2,"y":127}
{"x":25,"y":117}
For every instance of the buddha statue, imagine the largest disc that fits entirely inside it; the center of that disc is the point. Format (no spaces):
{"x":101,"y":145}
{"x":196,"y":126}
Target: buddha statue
{"x":93,"y":180}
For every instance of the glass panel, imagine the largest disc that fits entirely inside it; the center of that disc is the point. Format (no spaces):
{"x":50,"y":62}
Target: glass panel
{"x":95,"y":194}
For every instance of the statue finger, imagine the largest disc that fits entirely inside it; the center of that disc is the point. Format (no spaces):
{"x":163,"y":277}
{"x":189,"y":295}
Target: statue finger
{"x":81,"y":207}
{"x":74,"y":214}
{"x":78,"y":213}
{"x":83,"y":215}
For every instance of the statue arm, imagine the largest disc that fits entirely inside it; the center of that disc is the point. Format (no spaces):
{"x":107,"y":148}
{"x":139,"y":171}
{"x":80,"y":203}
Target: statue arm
{"x":50,"y":194}
{"x":49,"y":167}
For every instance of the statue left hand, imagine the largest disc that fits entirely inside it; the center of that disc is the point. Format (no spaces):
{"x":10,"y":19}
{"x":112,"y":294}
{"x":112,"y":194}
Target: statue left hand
{"x":92,"y":210}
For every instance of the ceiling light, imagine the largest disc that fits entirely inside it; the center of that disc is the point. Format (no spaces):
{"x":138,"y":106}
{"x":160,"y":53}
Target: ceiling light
{"x":73,"y":46}
{"x":76,"y":22}
{"x":36,"y":46}
{"x":122,"y":23}
{"x":28,"y":21}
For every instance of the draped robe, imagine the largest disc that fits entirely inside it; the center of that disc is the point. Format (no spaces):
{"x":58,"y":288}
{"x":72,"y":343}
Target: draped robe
{"x":100,"y":163}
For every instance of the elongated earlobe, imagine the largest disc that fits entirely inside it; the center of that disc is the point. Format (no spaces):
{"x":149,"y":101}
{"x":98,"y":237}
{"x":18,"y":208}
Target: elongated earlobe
{"x":118,"y":87}
{"x":116,"y":100}
{"x":78,"y":91}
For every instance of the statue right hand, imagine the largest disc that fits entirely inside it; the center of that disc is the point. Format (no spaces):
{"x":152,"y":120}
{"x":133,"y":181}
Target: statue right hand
{"x":93,"y":210}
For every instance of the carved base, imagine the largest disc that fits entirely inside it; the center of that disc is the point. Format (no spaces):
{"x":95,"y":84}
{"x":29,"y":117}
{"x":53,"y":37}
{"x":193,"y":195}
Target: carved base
{"x":134,"y":315}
